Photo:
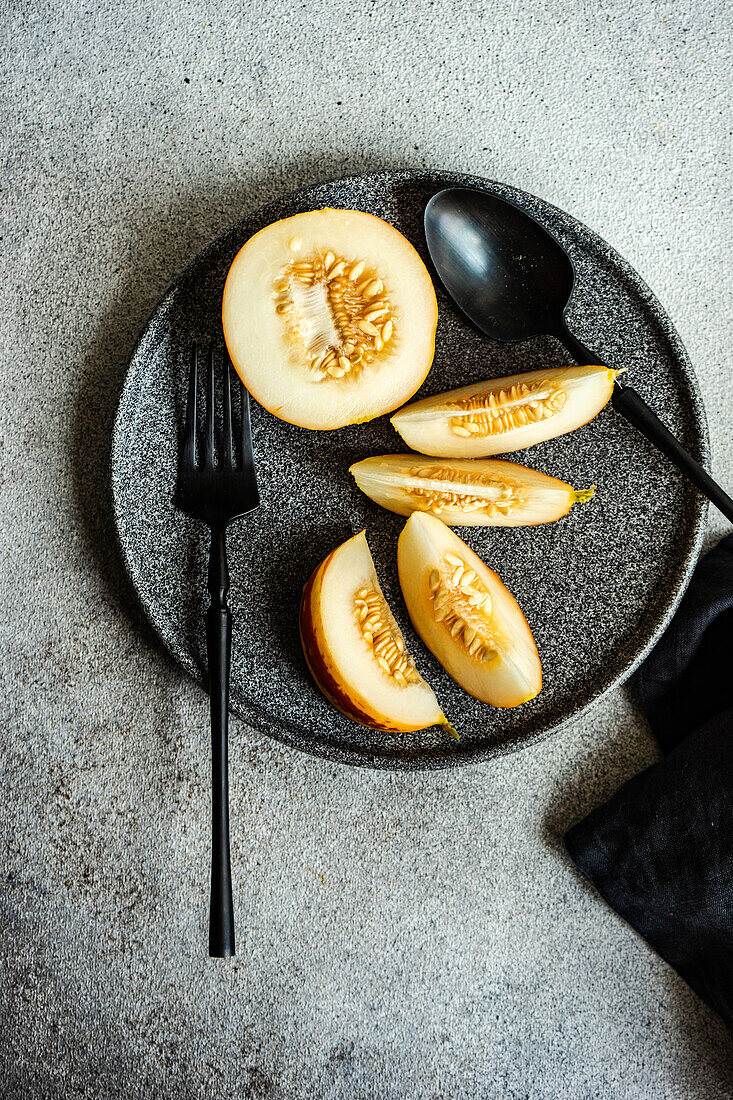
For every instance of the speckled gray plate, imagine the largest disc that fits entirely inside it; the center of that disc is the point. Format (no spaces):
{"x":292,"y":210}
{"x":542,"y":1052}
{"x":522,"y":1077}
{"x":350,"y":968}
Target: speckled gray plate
{"x":597,"y":588}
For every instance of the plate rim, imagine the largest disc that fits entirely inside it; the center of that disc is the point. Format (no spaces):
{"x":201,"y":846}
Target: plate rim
{"x":289,"y":732}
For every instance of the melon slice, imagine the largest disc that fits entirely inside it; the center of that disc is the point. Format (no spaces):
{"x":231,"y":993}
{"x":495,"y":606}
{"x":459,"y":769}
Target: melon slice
{"x":466,"y":492}
{"x":329,"y":318}
{"x":505,"y":414}
{"x":466,"y":616}
{"x":355,"y":649}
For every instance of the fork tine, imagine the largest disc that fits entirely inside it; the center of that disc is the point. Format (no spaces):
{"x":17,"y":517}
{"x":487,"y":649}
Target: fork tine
{"x":227,"y":457}
{"x":246,"y":433}
{"x":209,"y":446}
{"x":188,"y":450}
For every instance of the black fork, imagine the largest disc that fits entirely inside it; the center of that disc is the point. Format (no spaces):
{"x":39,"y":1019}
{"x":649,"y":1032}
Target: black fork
{"x":218,"y":487}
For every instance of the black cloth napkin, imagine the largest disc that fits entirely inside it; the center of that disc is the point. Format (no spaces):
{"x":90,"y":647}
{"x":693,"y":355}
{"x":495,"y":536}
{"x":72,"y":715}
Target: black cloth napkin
{"x":661,"y":850}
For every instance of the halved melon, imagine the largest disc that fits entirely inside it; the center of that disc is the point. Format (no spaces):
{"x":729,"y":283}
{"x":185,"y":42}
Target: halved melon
{"x":329,"y":318}
{"x":355,"y":649}
{"x":466,"y":616}
{"x":505,"y":414}
{"x":466,"y":492}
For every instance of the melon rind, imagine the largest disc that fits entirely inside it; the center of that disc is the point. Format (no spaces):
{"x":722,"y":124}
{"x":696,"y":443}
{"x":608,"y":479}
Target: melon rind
{"x":262,"y":352}
{"x":389,"y":479}
{"x":425,"y":425}
{"x":514,"y":676}
{"x":341,"y":662}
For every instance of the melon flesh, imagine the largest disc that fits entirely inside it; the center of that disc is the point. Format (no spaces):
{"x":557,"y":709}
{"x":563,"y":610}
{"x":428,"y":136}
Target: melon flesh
{"x":466,"y":492}
{"x":505,"y":414}
{"x":329,"y":318}
{"x":466,"y":616}
{"x":370,"y":680}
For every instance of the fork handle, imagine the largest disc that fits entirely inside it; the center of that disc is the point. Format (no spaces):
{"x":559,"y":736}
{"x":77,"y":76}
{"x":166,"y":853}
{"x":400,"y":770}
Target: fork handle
{"x":219,"y":648}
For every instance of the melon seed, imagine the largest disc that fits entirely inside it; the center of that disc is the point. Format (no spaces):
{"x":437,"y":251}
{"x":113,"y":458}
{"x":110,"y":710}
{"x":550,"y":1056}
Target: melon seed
{"x":354,"y":307}
{"x":337,"y":270}
{"x":382,"y":634}
{"x":461,"y":601}
{"x":462,"y":499}
{"x":506,"y":409}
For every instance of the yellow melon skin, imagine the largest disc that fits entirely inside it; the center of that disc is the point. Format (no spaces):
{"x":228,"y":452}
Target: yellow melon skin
{"x":294,"y":317}
{"x":505,"y":670}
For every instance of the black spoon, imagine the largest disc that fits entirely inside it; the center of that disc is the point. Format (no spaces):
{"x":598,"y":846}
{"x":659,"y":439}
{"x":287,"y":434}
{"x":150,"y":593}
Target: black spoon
{"x":514,"y":281}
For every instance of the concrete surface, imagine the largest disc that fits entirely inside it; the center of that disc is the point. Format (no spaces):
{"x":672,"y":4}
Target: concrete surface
{"x":400,"y":935}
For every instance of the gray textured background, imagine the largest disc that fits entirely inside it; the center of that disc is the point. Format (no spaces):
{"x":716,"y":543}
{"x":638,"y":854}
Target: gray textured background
{"x":400,"y":935}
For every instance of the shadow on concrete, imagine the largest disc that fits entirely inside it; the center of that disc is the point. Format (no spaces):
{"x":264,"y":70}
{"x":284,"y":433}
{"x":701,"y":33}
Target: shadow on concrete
{"x":703,"y":1037}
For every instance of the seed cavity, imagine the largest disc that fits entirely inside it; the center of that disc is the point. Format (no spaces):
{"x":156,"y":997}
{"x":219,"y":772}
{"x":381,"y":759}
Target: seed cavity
{"x":505,"y":410}
{"x":461,"y":601}
{"x":382,"y":634}
{"x":439,"y":489}
{"x":335,"y":308}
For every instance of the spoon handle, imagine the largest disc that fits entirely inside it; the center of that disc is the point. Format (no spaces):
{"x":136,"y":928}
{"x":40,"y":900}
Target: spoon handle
{"x":583,"y":355}
{"x":635,"y":409}
{"x":637,"y":412}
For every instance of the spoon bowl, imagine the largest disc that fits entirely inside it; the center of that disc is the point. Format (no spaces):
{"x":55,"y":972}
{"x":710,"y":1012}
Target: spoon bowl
{"x":504,"y":270}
